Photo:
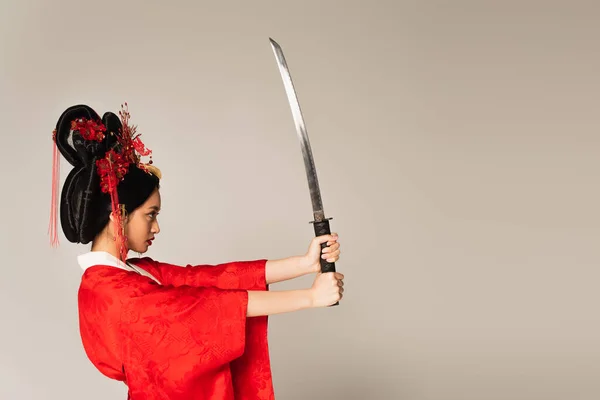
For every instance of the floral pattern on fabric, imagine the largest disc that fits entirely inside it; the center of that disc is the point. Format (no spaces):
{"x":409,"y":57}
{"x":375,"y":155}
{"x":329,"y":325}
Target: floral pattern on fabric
{"x":188,"y":338}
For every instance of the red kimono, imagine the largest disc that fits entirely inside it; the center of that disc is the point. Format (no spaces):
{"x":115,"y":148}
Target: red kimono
{"x":186,"y":338}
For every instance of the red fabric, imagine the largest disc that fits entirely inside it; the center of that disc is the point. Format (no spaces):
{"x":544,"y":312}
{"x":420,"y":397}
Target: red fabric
{"x":188,"y":338}
{"x":52,"y":226}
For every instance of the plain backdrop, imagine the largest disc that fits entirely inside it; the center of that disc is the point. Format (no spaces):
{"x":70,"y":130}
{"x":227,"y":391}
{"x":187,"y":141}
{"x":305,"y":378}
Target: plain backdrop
{"x":457,"y":149}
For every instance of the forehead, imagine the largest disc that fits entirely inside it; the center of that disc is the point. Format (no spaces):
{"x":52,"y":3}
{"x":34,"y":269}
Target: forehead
{"x":153,"y":200}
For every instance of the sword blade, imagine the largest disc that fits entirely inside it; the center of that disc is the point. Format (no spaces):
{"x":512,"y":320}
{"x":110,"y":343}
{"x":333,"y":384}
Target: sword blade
{"x":309,"y":163}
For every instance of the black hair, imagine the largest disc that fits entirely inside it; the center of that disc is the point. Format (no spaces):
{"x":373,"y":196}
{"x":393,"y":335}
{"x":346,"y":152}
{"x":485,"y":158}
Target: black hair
{"x":84,"y":208}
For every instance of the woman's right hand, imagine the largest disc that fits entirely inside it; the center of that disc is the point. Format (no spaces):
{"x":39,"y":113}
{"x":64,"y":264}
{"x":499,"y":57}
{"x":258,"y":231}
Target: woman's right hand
{"x":327,"y":289}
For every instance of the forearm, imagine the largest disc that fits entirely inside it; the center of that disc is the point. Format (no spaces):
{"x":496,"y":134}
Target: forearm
{"x":261,"y":303}
{"x":286,"y":268}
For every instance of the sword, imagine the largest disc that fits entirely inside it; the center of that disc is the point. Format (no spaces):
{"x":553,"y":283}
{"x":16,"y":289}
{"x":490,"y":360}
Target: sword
{"x":320,"y":222}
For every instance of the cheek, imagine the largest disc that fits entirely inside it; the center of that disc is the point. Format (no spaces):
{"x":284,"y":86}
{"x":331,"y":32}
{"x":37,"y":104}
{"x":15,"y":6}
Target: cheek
{"x":137,"y":229}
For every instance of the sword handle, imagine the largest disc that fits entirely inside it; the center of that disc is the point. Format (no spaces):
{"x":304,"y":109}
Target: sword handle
{"x":322,"y":228}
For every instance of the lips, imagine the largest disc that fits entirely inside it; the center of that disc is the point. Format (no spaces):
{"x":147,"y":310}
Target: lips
{"x":149,"y":241}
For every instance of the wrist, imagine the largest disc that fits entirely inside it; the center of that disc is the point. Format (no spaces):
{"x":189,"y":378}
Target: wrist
{"x":308,"y":298}
{"x":307,"y":265}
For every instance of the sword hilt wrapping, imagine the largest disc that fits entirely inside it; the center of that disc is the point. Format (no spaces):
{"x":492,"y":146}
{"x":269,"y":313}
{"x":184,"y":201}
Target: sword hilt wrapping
{"x":323,"y":228}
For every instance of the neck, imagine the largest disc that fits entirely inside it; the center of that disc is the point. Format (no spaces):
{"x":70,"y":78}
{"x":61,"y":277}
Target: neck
{"x":104,"y":243}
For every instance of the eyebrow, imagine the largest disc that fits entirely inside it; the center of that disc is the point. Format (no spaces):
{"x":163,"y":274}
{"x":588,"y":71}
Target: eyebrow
{"x":155,"y":208}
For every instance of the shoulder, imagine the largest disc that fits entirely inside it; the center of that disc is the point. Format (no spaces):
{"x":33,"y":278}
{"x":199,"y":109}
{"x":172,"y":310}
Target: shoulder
{"x":107,"y":283}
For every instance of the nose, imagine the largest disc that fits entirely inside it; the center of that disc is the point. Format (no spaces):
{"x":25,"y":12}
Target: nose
{"x":155,"y":227}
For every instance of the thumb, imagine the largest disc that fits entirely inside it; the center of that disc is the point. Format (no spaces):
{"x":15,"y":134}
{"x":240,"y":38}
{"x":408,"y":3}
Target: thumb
{"x":324,"y":238}
{"x":317,"y":276}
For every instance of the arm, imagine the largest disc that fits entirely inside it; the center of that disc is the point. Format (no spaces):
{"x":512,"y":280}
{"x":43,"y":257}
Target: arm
{"x":287,"y":268}
{"x":269,"y":303}
{"x":326,"y":290}
{"x":247,"y":275}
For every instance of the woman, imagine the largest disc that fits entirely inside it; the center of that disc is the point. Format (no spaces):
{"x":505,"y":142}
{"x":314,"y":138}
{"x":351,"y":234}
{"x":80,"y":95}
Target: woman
{"x":167,"y":331}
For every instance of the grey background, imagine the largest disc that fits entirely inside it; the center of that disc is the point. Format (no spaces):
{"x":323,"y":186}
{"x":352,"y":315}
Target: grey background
{"x":457,"y":148}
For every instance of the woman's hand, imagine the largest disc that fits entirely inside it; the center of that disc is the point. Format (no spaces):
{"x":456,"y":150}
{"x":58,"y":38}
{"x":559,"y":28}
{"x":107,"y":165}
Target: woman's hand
{"x":331,"y":253}
{"x":327,"y":289}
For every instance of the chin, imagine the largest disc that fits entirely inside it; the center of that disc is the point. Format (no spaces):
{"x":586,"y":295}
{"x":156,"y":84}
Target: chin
{"x":139,"y":250}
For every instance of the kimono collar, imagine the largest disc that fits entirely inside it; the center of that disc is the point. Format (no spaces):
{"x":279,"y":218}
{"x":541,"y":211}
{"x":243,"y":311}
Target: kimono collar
{"x":92,"y":258}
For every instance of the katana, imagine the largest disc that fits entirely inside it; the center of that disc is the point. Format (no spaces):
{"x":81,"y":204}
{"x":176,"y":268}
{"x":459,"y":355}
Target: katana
{"x":320,"y":222}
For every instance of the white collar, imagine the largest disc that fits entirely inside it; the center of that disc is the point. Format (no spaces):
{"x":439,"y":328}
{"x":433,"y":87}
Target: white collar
{"x":92,"y":258}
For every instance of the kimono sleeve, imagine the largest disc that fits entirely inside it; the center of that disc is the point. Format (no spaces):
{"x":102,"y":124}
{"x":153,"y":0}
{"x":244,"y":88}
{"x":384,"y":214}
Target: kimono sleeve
{"x":168,"y":334}
{"x":243,"y":275}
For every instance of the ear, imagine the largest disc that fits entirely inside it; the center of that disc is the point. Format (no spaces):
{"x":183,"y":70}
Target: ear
{"x":112,"y":218}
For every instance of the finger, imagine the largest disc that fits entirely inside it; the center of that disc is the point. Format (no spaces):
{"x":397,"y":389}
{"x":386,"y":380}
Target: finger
{"x":330,"y":253}
{"x":332,"y":259}
{"x":341,"y":283}
{"x":333,"y":238}
{"x":332,"y":246}
{"x":334,"y":253}
{"x":339,"y":275}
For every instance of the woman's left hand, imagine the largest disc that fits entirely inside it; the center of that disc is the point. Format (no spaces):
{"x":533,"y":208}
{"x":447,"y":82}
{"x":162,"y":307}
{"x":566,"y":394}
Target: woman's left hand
{"x":331,"y":253}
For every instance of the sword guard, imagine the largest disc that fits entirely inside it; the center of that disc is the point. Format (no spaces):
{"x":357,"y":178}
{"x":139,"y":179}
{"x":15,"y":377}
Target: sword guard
{"x":326,"y":219}
{"x":323,"y":228}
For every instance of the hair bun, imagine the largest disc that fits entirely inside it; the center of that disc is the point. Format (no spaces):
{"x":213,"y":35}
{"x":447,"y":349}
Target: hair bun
{"x":80,"y":193}
{"x":71,"y":147}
